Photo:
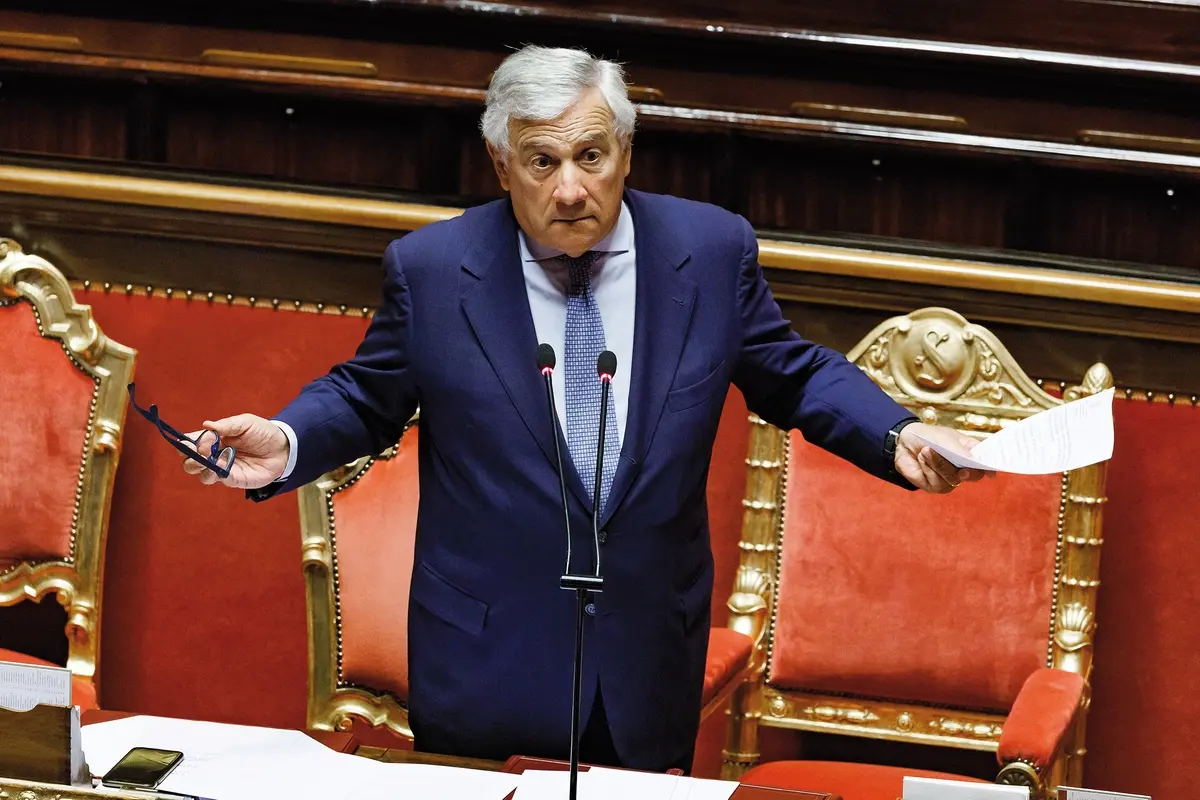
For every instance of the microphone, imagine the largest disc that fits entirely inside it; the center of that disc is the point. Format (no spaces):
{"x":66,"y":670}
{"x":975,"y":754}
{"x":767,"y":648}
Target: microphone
{"x":545,"y":362}
{"x":606,"y":367}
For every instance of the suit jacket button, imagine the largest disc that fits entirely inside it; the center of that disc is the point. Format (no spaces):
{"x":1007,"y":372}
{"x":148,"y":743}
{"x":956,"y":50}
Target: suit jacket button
{"x":602,"y":536}
{"x":590,"y":609}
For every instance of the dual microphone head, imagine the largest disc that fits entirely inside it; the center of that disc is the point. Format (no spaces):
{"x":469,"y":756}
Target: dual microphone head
{"x":606,"y":362}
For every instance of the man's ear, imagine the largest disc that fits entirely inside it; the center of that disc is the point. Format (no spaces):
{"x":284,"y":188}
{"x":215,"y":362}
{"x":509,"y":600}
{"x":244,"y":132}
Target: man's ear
{"x":501,"y":165}
{"x":626,"y":152}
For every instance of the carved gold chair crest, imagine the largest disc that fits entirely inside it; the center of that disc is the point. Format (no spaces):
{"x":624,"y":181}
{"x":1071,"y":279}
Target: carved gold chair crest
{"x":358,"y":525}
{"x":897,"y":615}
{"x":62,"y":413}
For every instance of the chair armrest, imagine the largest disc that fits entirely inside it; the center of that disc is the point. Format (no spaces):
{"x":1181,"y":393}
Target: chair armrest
{"x":1040,"y":718}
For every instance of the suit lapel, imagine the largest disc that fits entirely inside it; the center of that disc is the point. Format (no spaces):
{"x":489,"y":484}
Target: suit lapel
{"x":665,"y":299}
{"x":496,"y":303}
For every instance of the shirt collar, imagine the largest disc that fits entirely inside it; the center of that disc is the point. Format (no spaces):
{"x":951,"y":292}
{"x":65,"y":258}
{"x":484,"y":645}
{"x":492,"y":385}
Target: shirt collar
{"x":619,"y":240}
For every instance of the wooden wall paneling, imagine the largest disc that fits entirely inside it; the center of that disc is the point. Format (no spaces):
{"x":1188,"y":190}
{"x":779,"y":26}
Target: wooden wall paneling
{"x":1009,"y":96}
{"x":48,"y":115}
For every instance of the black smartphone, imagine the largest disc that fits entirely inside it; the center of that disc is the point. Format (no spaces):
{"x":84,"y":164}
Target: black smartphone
{"x":142,"y":768}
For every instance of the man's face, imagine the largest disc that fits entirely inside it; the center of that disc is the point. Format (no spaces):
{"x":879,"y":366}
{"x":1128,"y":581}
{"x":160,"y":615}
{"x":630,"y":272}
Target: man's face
{"x":566,"y":176}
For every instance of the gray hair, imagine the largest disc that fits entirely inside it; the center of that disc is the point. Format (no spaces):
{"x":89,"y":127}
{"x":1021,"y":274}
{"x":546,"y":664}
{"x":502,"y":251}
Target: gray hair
{"x":540,"y":83}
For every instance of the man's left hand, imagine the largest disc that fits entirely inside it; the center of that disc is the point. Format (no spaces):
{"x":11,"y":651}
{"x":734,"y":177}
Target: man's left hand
{"x":927,"y":470}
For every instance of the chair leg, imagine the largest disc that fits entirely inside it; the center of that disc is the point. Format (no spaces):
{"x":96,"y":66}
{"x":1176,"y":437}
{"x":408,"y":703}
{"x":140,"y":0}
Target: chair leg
{"x":741,"y":742}
{"x":1075,"y":747}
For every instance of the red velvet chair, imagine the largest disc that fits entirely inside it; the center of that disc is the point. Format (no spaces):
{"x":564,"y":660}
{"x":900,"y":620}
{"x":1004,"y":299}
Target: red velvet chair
{"x":359,"y":526}
{"x":62,"y":412}
{"x":963,"y":620}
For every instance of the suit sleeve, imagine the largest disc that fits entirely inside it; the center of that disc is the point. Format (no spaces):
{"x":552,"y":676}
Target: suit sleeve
{"x":361,"y":406}
{"x":794,"y":383}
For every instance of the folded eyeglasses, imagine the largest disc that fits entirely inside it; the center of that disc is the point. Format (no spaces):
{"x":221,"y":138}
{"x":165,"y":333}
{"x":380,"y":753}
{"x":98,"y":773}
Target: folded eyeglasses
{"x":219,"y":459}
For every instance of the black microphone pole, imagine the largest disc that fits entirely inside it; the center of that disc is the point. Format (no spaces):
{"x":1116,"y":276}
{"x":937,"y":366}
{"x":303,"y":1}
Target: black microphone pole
{"x":545,"y":362}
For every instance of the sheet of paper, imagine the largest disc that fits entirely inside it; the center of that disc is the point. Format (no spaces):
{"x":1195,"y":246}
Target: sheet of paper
{"x":707,"y":789}
{"x":597,"y":784}
{"x":423,"y":781}
{"x":235,"y":762}
{"x":23,"y":686}
{"x":1093,"y":794}
{"x":935,"y":789}
{"x":600,"y":783}
{"x":1066,"y":437}
{"x":202,"y":743}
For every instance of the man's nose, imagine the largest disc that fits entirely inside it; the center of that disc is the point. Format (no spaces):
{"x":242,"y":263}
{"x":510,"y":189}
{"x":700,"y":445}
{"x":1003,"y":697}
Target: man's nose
{"x":569,"y":190}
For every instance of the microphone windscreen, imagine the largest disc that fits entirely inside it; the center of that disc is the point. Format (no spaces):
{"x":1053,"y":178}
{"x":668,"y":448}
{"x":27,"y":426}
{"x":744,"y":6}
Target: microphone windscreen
{"x":606,"y":363}
{"x":545,"y":356}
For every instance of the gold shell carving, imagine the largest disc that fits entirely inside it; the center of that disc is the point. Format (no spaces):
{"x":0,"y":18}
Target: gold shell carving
{"x":1076,"y":622}
{"x":750,"y":589}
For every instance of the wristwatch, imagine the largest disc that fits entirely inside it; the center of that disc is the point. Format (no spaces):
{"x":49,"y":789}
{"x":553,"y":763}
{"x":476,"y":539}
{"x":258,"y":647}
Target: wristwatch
{"x":892,"y":440}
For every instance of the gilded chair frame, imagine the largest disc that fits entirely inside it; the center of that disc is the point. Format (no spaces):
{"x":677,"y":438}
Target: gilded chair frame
{"x":77,"y":581}
{"x":949,"y":372}
{"x":333,"y":703}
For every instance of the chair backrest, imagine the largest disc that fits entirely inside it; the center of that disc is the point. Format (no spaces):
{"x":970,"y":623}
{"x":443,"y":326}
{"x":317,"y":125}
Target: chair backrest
{"x":359,"y":525}
{"x":62,"y":413}
{"x":915,"y":617}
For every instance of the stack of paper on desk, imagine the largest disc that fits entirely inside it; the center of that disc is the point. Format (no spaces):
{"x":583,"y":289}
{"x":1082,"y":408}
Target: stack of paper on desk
{"x":611,"y":784}
{"x":939,"y":789}
{"x":231,"y":762}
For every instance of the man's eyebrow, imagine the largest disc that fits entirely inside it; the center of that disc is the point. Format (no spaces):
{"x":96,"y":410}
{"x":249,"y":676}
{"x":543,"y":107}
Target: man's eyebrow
{"x":538,"y":143}
{"x":546,"y":143}
{"x":591,"y":138}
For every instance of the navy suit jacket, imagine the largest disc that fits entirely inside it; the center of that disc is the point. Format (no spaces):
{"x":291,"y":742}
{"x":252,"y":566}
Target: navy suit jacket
{"x":491,"y":634}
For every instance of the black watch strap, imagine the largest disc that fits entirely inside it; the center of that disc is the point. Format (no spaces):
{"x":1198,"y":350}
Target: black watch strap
{"x":893,"y":438}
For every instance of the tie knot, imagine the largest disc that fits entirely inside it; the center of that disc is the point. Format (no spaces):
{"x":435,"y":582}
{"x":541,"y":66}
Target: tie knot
{"x":580,"y":270}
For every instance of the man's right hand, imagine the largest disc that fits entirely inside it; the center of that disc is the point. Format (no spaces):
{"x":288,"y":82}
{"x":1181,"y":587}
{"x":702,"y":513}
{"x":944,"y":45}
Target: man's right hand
{"x":262,"y":451}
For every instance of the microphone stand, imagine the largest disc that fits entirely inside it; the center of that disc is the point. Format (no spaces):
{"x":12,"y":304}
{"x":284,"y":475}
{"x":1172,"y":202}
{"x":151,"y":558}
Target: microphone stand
{"x":582,"y":585}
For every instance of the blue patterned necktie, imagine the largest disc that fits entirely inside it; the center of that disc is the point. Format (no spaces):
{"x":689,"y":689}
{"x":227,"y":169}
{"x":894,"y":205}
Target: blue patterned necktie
{"x":583,"y":342}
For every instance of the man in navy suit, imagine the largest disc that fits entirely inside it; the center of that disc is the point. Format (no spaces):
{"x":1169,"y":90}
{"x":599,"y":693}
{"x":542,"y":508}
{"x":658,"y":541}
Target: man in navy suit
{"x":573,"y":259}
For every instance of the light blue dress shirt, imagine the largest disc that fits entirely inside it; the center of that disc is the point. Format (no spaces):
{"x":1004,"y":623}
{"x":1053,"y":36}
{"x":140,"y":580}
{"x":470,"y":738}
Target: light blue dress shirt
{"x":614,"y":285}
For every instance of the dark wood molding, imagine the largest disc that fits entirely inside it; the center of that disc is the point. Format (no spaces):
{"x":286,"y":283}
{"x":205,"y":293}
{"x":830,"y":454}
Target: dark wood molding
{"x":1147,"y":37}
